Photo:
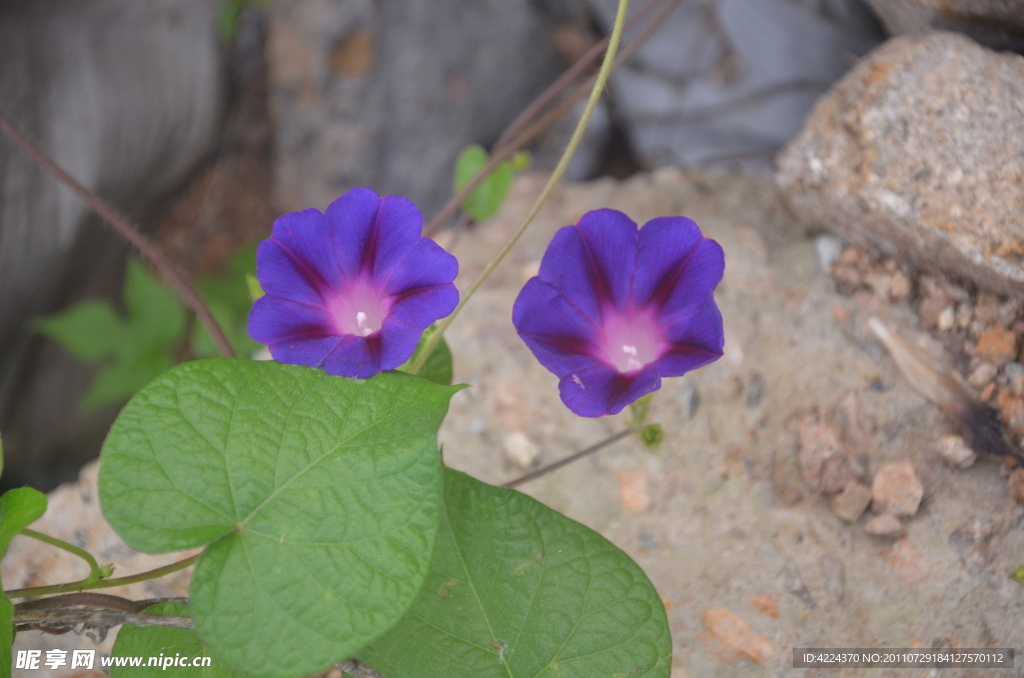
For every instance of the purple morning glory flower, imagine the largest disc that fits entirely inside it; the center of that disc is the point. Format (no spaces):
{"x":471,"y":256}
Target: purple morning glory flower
{"x":614,"y":309}
{"x":353,"y":289}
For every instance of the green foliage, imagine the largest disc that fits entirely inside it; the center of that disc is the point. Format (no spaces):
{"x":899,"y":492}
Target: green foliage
{"x":317,"y":496}
{"x":152,"y":641}
{"x":135,"y":349}
{"x":228,"y":296}
{"x":18,"y":509}
{"x":1018,"y":575}
{"x":651,"y":435}
{"x":488,"y":196}
{"x":516,"y":589}
{"x":438,"y":367}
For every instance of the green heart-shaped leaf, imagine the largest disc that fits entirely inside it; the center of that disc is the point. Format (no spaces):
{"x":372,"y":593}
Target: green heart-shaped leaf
{"x":318,"y":497}
{"x":517,"y":590}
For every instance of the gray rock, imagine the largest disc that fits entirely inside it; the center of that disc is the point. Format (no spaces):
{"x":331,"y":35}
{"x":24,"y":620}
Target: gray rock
{"x":919,"y":151}
{"x":998,"y":24}
{"x":386,"y":94}
{"x":727,"y":82}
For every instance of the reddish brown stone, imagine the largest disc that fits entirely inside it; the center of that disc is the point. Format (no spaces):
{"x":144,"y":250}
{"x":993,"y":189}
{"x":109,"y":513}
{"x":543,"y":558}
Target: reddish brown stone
{"x":897,"y":490}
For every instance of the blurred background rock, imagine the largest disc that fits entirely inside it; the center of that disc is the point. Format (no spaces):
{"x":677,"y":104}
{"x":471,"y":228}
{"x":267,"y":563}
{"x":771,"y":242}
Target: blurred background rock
{"x":202,"y":126}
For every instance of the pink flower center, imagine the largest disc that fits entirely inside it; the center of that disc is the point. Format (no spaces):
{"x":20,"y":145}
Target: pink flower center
{"x":631,"y":339}
{"x":359,"y":308}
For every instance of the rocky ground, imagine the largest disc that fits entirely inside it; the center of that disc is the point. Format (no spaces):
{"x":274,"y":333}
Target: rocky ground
{"x":750,"y":517}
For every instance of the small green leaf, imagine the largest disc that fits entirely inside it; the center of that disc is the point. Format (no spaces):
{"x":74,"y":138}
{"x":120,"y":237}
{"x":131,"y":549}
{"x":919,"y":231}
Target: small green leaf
{"x":165,"y":642}
{"x":517,"y":590}
{"x":136,"y":348}
{"x":1019,"y":574}
{"x":652,"y":435}
{"x":318,"y":497}
{"x":90,"y":331}
{"x":487,"y":198}
{"x":521,"y":161}
{"x":255,"y":289}
{"x":438,"y":367}
{"x":18,"y":509}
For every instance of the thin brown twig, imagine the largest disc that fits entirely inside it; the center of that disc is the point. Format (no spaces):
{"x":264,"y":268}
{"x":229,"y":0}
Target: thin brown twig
{"x":568,"y":77}
{"x":534,"y":130}
{"x":551,"y":468}
{"x":125,"y":229}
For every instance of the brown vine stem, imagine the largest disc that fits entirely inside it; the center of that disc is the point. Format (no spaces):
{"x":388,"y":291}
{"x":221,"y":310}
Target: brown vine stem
{"x":568,"y":77}
{"x":534,"y":130}
{"x":85,"y":584}
{"x":62,"y":619}
{"x":129,"y":232}
{"x":551,"y":468}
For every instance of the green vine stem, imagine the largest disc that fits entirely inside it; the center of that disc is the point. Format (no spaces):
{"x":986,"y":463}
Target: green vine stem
{"x":86,"y":584}
{"x":574,"y":142}
{"x":94,"y":567}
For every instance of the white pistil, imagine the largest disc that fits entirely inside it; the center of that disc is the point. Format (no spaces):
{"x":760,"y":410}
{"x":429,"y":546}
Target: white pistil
{"x":632,"y":362}
{"x":361,"y":323}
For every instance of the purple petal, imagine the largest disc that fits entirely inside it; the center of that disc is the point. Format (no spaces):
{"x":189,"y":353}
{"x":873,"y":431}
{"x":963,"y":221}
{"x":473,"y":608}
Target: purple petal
{"x":352,"y":218}
{"x":602,"y":389}
{"x":398,"y":342}
{"x":679,"y":267}
{"x":294,"y":333}
{"x":559,"y":334}
{"x":354,"y":357}
{"x":293,"y":263}
{"x":372,"y":233}
{"x":696,"y":339}
{"x":592,"y":263}
{"x":427,"y":264}
{"x":420,"y":307}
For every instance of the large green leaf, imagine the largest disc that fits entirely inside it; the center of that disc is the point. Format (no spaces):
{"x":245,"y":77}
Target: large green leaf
{"x":318,"y":497}
{"x":154,"y":641}
{"x":517,"y":590}
{"x":18,"y":509}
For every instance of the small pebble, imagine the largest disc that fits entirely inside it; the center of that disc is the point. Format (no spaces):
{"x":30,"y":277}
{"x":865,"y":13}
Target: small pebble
{"x":1014,"y":373}
{"x":520,"y":450}
{"x":852,"y":501}
{"x":633,"y":491}
{"x":897,"y":490}
{"x":982,"y":375}
{"x":947,"y":318}
{"x":767,"y":605}
{"x":728,"y":638}
{"x":829,"y":249}
{"x":997,"y":344}
{"x":953,"y":451}
{"x":986,"y":393}
{"x":906,"y":562}
{"x":822,"y":457}
{"x":886,"y":525}
{"x":900,"y":286}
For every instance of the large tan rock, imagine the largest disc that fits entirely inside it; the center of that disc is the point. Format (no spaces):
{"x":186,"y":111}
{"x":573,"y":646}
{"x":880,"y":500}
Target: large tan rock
{"x":919,"y":151}
{"x":996,"y":23}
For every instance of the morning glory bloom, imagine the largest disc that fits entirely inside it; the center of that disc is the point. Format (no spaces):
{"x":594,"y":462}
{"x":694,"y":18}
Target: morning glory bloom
{"x":353,"y":289}
{"x":614,"y":309}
